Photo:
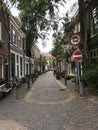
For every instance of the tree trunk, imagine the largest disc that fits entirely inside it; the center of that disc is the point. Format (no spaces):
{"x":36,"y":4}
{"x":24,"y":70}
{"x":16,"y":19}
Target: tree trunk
{"x":83,"y":27}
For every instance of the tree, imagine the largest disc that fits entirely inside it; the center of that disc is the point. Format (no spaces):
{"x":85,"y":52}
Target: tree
{"x":83,"y":27}
{"x":43,"y":63}
{"x":36,"y":16}
{"x":68,"y":25}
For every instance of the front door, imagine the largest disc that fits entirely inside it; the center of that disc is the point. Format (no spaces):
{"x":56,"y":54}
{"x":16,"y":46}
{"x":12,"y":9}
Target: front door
{"x":12,"y":65}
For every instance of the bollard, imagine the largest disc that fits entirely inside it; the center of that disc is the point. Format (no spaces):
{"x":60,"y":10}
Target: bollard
{"x":35,"y":76}
{"x":16,"y":92}
{"x":28,"y":82}
{"x":65,"y":81}
{"x":32,"y":79}
{"x":16,"y":89}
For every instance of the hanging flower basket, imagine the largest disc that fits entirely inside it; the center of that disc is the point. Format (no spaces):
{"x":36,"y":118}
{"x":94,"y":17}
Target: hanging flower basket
{"x":1,"y":44}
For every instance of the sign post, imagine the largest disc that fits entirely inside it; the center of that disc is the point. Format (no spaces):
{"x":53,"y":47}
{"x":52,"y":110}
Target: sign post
{"x":75,"y":40}
{"x":77,"y":56}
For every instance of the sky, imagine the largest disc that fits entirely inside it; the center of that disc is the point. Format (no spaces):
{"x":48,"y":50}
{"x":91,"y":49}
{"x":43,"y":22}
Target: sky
{"x":48,"y":46}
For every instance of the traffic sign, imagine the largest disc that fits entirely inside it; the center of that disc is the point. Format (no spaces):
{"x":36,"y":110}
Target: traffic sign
{"x":75,"y":39}
{"x":77,"y":55}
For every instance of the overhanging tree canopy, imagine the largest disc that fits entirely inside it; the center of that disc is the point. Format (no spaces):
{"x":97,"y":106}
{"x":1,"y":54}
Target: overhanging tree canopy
{"x":36,"y":16}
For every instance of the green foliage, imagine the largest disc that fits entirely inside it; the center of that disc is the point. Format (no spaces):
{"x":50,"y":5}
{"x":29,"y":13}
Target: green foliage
{"x":58,"y":75}
{"x":1,"y":44}
{"x":73,"y":79}
{"x":68,"y":54}
{"x":43,"y":60}
{"x":23,"y":79}
{"x":63,"y":73}
{"x":57,"y":51}
{"x":68,"y":26}
{"x":93,"y":42}
{"x":36,"y":16}
{"x":68,"y":77}
{"x":90,"y":76}
{"x":9,"y":84}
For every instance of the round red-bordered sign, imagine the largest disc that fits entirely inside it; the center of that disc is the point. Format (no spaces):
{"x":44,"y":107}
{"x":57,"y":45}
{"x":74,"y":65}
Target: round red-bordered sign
{"x":77,"y":55}
{"x":75,"y":39}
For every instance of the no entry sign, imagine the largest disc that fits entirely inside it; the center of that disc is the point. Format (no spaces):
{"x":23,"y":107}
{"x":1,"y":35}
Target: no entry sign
{"x":75,"y":39}
{"x":77,"y":56}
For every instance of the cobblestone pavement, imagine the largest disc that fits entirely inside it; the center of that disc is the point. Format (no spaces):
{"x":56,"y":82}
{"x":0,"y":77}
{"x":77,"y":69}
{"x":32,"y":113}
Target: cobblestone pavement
{"x":49,"y":105}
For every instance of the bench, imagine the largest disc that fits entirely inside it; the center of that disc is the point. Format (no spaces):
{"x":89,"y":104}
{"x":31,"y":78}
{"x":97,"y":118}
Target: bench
{"x":3,"y":88}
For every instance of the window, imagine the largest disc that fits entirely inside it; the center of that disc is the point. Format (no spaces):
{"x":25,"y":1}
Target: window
{"x":0,"y":31}
{"x":78,"y":27}
{"x":21,"y":66}
{"x":18,"y":70}
{"x":27,"y":69}
{"x":12,"y":65}
{"x":94,"y":20}
{"x":1,"y":67}
{"x":14,"y":36}
{"x":94,"y":53}
{"x":19,"y":41}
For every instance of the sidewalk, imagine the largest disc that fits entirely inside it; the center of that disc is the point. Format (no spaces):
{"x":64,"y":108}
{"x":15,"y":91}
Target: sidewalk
{"x":11,"y":95}
{"x":69,"y":85}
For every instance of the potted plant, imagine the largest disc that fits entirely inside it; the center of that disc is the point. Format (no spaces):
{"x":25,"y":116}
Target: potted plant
{"x":58,"y":75}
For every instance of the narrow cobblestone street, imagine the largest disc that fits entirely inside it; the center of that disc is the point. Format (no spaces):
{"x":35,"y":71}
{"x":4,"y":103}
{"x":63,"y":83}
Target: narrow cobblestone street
{"x":47,"y":107}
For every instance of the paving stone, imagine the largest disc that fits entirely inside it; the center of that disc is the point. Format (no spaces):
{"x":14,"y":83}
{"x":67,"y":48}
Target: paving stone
{"x":45,"y":107}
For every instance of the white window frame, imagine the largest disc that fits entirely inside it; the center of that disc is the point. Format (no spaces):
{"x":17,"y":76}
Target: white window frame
{"x":78,"y":27}
{"x":19,"y":41}
{"x":18,"y":63}
{"x":93,"y":20}
{"x":94,"y":53}
{"x":26,"y":64}
{"x":21,"y":66}
{"x":14,"y":36}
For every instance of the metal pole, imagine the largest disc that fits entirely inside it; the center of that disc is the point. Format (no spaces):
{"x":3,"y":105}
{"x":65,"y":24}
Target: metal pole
{"x":32,"y":78}
{"x":65,"y":81}
{"x":80,"y":84}
{"x":28,"y":82}
{"x":15,"y":85}
{"x":16,"y":92}
{"x":77,"y":83}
